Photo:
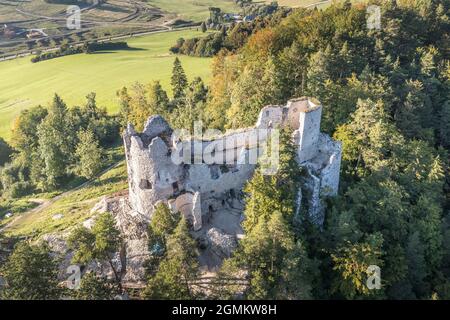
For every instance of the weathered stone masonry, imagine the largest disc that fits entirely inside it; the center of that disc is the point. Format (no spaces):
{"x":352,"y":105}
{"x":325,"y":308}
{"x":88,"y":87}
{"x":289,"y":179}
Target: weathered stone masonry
{"x":198,"y":189}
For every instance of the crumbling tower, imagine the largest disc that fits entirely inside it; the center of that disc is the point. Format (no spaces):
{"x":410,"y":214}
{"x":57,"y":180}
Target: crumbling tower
{"x":308,"y":132}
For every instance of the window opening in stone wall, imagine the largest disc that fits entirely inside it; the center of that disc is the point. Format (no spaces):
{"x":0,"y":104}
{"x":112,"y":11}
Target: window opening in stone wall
{"x":145,"y":184}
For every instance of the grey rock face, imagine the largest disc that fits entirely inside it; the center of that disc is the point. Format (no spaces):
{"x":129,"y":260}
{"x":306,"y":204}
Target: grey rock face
{"x":222,"y":244}
{"x":106,"y":204}
{"x":155,"y":126}
{"x":133,"y":229}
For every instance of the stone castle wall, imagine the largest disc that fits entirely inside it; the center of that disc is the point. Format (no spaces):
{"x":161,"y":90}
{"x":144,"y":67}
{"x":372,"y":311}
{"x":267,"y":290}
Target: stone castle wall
{"x":196,"y":188}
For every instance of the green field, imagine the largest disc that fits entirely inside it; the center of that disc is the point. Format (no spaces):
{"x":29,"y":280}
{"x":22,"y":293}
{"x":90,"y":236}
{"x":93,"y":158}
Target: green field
{"x":295,"y":3}
{"x":24,"y":84}
{"x":196,"y":10}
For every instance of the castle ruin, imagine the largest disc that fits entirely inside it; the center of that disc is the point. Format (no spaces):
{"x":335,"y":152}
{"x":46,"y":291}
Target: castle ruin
{"x":209,"y":193}
{"x":190,"y":176}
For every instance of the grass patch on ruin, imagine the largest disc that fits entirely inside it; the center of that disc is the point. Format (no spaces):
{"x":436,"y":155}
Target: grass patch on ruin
{"x":24,"y":84}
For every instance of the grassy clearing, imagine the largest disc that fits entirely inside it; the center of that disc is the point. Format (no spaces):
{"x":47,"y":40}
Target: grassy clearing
{"x":16,"y":206}
{"x":74,"y":207}
{"x":74,"y":204}
{"x":24,"y":84}
{"x":195,"y":10}
{"x":41,"y":7}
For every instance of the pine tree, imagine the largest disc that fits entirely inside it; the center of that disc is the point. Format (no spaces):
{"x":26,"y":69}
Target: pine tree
{"x":412,"y":116}
{"x":124,"y":106}
{"x":24,"y":132}
{"x":444,"y":125}
{"x":177,"y":268}
{"x":271,"y":253}
{"x":179,"y":80}
{"x":162,"y":225}
{"x":319,"y":72}
{"x":5,"y":152}
{"x":91,"y":110}
{"x":276,"y":264}
{"x":266,"y":194}
{"x":157,"y":99}
{"x":196,"y":91}
{"x":94,"y":287}
{"x":101,"y":244}
{"x":417,"y":270}
{"x":164,"y":221}
{"x":31,"y":274}
{"x":193,"y":109}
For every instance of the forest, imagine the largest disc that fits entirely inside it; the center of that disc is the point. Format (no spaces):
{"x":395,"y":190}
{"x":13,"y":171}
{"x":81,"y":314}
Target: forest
{"x":231,"y":36}
{"x":386,"y":97}
{"x":385,"y":94}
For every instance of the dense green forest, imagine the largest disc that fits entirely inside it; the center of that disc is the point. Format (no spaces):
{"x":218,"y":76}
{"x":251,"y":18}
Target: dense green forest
{"x":385,"y":95}
{"x":232,"y":36}
{"x":54,"y":145}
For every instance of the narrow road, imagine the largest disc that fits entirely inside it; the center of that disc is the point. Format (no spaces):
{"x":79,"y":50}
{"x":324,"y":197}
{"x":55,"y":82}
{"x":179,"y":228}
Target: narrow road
{"x":137,"y":34}
{"x":165,"y":25}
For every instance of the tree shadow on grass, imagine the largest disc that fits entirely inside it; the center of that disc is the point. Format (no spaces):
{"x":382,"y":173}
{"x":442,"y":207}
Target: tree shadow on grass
{"x":110,"y":180}
{"x":117,"y":50}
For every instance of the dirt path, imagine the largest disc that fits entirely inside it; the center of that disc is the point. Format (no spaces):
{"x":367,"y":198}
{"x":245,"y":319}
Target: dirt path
{"x":316,"y":4}
{"x":45,"y":203}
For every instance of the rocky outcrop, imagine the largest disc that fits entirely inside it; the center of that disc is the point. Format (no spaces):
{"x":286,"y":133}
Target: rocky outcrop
{"x":222,"y":244}
{"x":106,"y":204}
{"x":133,"y":227}
{"x":129,"y":260}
